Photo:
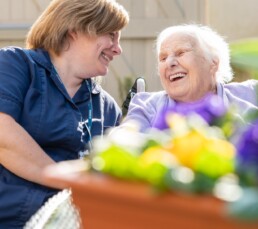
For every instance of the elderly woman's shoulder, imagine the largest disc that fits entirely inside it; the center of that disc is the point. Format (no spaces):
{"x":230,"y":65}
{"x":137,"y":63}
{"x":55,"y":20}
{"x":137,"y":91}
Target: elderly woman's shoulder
{"x":248,"y":84}
{"x":245,"y":91}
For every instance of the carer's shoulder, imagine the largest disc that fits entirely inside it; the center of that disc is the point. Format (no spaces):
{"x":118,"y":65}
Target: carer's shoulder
{"x":13,"y":53}
{"x":11,"y":49}
{"x":107,"y":98}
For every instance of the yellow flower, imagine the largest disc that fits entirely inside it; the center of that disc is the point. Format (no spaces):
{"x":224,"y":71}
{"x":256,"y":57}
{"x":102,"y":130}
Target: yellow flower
{"x":158,"y":154}
{"x":187,"y":148}
{"x":216,"y":158}
{"x":153,"y":164}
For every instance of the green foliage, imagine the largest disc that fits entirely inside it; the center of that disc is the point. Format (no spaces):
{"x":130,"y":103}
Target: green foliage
{"x":244,"y":56}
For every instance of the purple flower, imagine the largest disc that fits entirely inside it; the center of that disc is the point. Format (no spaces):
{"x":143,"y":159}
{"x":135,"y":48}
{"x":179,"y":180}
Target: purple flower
{"x":209,"y":108}
{"x":247,"y":152}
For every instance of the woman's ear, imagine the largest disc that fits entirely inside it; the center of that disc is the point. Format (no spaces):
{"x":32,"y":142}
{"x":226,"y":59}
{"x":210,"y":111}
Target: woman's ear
{"x":73,"y":34}
{"x":214,"y":66}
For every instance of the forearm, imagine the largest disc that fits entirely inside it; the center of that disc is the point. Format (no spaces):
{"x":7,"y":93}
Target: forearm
{"x":19,"y":152}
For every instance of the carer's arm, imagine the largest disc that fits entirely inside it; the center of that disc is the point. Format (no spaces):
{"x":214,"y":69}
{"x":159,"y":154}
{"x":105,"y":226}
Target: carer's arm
{"x":20,"y":153}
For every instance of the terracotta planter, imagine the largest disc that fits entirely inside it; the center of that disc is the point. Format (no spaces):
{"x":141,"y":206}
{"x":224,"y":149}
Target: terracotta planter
{"x":110,"y":203}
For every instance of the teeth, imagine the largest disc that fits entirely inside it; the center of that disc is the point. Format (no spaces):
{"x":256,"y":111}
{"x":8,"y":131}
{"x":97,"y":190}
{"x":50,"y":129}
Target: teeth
{"x":105,"y":57}
{"x":177,"y":75}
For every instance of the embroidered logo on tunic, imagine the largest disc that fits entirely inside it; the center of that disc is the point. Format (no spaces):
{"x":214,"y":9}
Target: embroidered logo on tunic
{"x":85,"y":138}
{"x":82,"y":127}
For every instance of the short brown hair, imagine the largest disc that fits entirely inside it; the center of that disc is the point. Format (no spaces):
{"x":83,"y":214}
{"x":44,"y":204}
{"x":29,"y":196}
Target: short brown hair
{"x":94,"y":17}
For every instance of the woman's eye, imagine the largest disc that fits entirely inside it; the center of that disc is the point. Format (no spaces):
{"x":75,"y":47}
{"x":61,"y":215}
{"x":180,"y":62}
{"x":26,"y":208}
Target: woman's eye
{"x":112,"y":35}
{"x":162,"y":58}
{"x":180,"y":53}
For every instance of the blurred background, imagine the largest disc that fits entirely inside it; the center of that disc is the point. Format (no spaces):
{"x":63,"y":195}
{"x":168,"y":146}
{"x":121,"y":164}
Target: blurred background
{"x":235,"y":20}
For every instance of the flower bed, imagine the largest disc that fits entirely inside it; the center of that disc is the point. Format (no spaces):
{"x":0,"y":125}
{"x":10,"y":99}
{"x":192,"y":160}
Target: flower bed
{"x":197,"y":168}
{"x":197,"y":148}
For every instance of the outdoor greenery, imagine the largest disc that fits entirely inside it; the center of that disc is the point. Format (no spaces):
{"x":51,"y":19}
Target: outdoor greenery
{"x":244,"y":59}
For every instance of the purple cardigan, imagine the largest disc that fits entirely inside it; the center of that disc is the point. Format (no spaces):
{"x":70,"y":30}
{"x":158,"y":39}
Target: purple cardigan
{"x":145,"y":106}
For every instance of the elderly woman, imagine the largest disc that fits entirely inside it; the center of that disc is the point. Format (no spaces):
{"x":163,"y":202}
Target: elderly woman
{"x":50,"y":105}
{"x":193,"y":61}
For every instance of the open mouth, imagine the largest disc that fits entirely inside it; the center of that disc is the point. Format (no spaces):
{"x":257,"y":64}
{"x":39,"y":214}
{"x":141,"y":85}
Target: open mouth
{"x":177,"y":76}
{"x":108,"y":59}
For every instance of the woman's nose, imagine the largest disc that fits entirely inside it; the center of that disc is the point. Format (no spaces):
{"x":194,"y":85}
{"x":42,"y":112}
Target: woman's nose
{"x":117,"y":49}
{"x":171,"y":61}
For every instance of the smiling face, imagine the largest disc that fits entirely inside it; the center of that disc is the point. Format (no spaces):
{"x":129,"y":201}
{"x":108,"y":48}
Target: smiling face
{"x":92,"y":54}
{"x":186,"y":73}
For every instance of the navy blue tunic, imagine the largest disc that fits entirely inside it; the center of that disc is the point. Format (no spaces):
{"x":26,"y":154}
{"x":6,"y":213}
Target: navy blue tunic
{"x":31,"y":92}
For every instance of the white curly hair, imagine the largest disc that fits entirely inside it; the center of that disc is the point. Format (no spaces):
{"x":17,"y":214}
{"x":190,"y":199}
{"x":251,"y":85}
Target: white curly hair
{"x":212,"y":44}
